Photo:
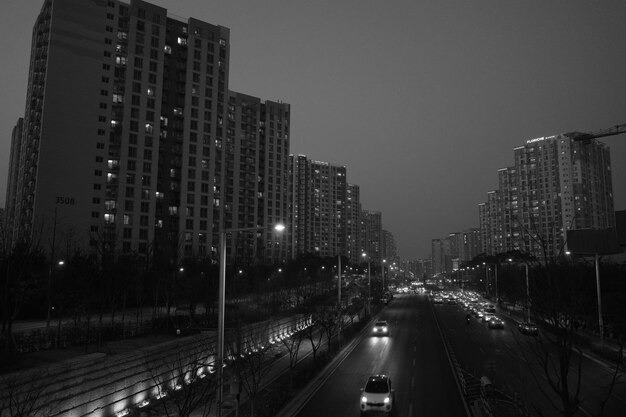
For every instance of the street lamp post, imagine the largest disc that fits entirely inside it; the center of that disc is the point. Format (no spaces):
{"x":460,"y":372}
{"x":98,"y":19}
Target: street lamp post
{"x":382,"y":273}
{"x":527,"y":295}
{"x":369,"y":282}
{"x":221,"y":309}
{"x":339,"y":316}
{"x":495,"y":267}
{"x":527,"y":291}
{"x":495,"y":277}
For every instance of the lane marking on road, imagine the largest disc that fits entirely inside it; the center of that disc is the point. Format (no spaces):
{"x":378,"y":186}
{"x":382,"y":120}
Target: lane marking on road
{"x":410,"y":409}
{"x":618,"y":398}
{"x":412,"y":382}
{"x":413,"y":362}
{"x":452,"y":368}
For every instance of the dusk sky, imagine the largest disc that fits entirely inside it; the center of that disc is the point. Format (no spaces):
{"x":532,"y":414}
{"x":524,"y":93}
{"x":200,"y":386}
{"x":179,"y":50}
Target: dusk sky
{"x":422,"y":101}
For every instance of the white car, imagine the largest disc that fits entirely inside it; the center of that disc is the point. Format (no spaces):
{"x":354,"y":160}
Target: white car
{"x":377,"y":395}
{"x":381,"y":328}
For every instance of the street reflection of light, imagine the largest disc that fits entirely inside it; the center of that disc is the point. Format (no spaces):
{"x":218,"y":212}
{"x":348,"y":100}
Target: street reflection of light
{"x":377,"y":341}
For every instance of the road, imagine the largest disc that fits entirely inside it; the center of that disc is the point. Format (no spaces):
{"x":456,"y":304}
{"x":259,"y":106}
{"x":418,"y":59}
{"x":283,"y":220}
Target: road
{"x":413,"y":356}
{"x":509,"y":360}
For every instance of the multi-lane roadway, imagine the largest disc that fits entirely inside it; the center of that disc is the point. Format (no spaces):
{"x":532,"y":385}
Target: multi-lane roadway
{"x":415,"y":357}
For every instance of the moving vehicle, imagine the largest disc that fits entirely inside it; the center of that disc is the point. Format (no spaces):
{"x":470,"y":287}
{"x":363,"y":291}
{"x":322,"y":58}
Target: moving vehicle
{"x":528,"y":328}
{"x":377,"y":395}
{"x":486,"y":317}
{"x":381,"y":328}
{"x":495,"y":323}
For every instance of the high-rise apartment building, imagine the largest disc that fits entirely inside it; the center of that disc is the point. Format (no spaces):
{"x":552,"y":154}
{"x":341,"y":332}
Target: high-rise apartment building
{"x":12,"y":180}
{"x":133,"y":142}
{"x":556,"y":185}
{"x":353,"y":222}
{"x":449,"y":253}
{"x":371,"y":234}
{"x":437,"y":256}
{"x":319,"y":207}
{"x":390,"y":250}
{"x":469,"y":244}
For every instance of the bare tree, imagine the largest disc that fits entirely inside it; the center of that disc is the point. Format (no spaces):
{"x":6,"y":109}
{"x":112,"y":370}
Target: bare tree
{"x":185,"y":384}
{"x":314,"y":334}
{"x":24,"y":396}
{"x":561,"y":296}
{"x":22,"y":270}
{"x":250,"y":360}
{"x":326,"y":319}
{"x":292,"y":344}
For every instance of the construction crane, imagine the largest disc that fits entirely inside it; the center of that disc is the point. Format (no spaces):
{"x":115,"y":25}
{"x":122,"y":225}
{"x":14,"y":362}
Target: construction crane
{"x":587,"y":137}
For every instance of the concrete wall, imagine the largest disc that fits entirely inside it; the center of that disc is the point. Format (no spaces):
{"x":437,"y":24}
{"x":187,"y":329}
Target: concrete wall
{"x":100,"y":385}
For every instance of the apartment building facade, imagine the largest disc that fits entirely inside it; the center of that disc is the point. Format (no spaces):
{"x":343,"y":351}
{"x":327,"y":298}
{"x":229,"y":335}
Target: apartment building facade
{"x":353,"y":222}
{"x":132,"y":140}
{"x":555,"y":185}
{"x":320,"y":207}
{"x":371,"y":235}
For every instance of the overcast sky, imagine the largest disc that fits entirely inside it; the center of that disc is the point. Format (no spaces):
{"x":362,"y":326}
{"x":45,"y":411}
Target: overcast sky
{"x":422,"y":101}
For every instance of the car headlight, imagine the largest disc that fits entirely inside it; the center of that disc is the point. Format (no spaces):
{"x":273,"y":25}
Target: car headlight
{"x":387,"y":400}
{"x":364,"y":399}
{"x":384,"y":329}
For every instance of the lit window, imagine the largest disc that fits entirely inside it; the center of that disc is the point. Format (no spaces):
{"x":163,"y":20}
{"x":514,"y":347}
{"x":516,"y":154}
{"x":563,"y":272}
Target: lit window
{"x":182,"y":41}
{"x":109,"y":218}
